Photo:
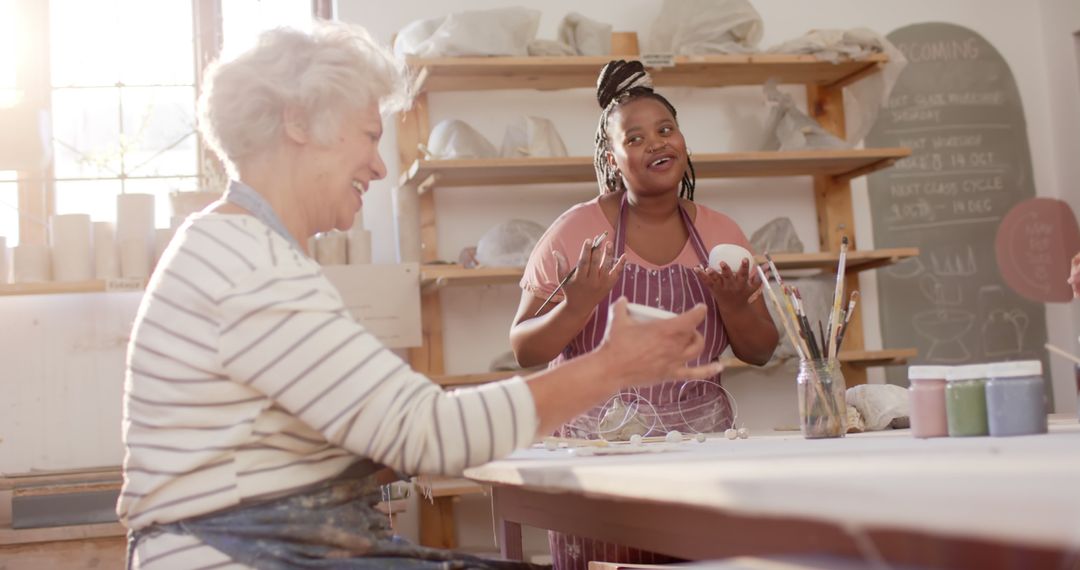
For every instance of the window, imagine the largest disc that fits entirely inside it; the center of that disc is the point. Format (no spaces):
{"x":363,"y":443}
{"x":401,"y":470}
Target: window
{"x":9,"y":46}
{"x":123,"y":103}
{"x":244,"y":20}
{"x":123,"y":96}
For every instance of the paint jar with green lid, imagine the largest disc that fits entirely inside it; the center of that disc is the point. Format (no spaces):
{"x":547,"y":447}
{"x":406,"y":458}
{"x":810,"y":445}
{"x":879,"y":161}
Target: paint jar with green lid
{"x":1016,"y":398}
{"x":965,"y":400}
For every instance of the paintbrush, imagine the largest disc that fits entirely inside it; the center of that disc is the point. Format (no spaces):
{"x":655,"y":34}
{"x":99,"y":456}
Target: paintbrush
{"x":847,"y":319}
{"x":1062,"y":353}
{"x":803,"y":353}
{"x":838,"y":299}
{"x":597,"y":241}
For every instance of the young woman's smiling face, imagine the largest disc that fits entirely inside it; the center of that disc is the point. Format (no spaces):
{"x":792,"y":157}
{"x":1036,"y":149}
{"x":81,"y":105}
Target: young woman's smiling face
{"x":647,"y":146}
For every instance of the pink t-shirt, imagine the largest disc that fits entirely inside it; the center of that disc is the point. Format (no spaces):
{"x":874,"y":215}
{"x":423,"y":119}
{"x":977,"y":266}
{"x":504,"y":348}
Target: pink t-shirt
{"x":563,"y":239}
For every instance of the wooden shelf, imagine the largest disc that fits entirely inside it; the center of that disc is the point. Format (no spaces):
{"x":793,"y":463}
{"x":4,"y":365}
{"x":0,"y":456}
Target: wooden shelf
{"x":547,"y":73}
{"x":56,"y":288}
{"x":858,"y":358}
{"x":841,"y":164}
{"x":436,"y":276}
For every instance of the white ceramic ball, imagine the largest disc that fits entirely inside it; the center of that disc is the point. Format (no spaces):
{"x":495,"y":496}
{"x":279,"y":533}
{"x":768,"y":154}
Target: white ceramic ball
{"x":700,"y":438}
{"x":729,"y":253}
{"x":730,"y":433}
{"x":744,"y":433}
{"x":635,"y":439}
{"x":673,"y":436}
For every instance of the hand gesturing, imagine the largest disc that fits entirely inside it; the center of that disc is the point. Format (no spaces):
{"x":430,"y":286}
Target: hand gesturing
{"x":730,"y":289}
{"x":595,"y":275}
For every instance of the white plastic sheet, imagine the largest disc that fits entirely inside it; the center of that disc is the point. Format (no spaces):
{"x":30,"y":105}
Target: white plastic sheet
{"x":497,"y":32}
{"x":788,"y":128}
{"x":864,"y":98}
{"x":454,"y":139}
{"x":689,"y":27}
{"x":586,"y":36}
{"x":508,"y":244}
{"x":878,"y":404}
{"x":532,"y":137}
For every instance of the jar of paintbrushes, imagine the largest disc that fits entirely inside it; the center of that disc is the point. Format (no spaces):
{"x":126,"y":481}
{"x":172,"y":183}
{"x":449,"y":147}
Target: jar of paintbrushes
{"x":820,"y":384}
{"x":822,"y":408}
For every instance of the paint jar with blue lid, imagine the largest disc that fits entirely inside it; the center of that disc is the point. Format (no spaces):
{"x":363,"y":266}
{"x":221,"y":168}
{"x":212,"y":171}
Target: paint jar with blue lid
{"x":1016,"y":398}
{"x":965,"y":400}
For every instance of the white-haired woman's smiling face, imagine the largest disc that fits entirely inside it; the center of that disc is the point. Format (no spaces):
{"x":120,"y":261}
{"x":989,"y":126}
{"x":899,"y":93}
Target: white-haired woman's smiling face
{"x":345,"y":167}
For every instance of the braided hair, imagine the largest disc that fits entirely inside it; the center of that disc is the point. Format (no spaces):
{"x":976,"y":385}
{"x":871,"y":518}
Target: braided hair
{"x":620,"y":82}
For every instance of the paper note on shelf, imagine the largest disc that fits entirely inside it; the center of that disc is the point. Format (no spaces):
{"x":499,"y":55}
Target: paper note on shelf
{"x":383,"y":298}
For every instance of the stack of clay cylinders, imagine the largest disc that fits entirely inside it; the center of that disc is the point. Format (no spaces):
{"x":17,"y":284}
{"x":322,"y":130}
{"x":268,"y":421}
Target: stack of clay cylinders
{"x":926,"y":396}
{"x":135,"y":234}
{"x":1016,"y":398}
{"x":72,"y":236}
{"x":965,"y":400}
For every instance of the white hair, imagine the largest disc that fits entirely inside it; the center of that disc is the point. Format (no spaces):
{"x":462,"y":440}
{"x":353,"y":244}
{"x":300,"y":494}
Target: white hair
{"x":331,"y":70}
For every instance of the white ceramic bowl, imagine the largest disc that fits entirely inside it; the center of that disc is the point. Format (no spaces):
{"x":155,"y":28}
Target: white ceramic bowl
{"x":729,"y":253}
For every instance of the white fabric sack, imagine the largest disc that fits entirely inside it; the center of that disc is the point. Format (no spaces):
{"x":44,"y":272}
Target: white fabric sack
{"x":691,"y":27}
{"x":864,"y":98}
{"x":587,"y":37}
{"x":532,"y":137}
{"x":788,"y":128}
{"x":497,"y":32}
{"x":508,"y":244}
{"x":878,"y":404}
{"x":454,"y":139}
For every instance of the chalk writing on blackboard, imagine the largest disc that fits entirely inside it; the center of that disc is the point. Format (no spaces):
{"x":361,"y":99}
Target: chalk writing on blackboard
{"x":957,"y":107}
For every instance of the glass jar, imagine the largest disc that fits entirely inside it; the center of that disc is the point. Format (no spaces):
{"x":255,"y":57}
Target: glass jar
{"x":1016,"y":398}
{"x":965,"y":400}
{"x":927,"y":401}
{"x":822,"y":407}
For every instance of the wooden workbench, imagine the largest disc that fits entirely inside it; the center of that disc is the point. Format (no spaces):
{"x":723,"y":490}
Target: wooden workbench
{"x":949,"y":502}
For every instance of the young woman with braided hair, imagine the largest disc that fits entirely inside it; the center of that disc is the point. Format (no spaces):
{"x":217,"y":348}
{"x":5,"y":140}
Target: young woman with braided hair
{"x":658,"y":244}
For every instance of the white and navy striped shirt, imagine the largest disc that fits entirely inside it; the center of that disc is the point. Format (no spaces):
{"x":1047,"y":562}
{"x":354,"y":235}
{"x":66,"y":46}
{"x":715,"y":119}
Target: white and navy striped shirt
{"x":247,"y":377}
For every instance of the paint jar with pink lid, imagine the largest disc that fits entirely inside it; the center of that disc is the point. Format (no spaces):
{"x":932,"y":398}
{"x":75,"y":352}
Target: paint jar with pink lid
{"x":926,"y":396}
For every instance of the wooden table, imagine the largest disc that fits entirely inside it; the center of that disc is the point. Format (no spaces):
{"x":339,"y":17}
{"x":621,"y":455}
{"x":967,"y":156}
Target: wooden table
{"x":948,"y":502}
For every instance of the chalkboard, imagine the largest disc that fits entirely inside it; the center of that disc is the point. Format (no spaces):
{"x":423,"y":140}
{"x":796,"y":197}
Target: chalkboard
{"x":956,"y":105}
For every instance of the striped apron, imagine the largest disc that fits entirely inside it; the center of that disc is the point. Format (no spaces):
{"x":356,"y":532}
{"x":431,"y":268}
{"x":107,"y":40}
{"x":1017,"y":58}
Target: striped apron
{"x":690,"y":406}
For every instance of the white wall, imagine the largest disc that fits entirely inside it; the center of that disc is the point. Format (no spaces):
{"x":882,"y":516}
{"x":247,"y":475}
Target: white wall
{"x":1061,"y":41}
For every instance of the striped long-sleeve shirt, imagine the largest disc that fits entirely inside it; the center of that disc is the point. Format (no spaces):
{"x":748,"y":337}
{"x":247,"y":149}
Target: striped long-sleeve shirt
{"x":247,"y":377}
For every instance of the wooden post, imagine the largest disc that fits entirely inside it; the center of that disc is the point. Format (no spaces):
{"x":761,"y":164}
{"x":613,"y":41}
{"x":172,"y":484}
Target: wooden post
{"x":836,"y":216}
{"x":413,"y":128}
{"x":437,"y":522}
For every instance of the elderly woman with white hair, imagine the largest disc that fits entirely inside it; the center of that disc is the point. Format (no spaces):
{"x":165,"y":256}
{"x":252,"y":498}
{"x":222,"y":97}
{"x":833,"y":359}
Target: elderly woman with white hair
{"x":259,"y":417}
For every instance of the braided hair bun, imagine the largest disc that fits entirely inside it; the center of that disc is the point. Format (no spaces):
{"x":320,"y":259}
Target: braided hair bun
{"x":619,"y":77}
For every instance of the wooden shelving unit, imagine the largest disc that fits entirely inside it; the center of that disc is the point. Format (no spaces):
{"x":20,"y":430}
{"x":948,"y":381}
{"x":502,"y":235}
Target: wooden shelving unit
{"x":547,"y":73}
{"x":831,"y":171}
{"x":844,"y":164}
